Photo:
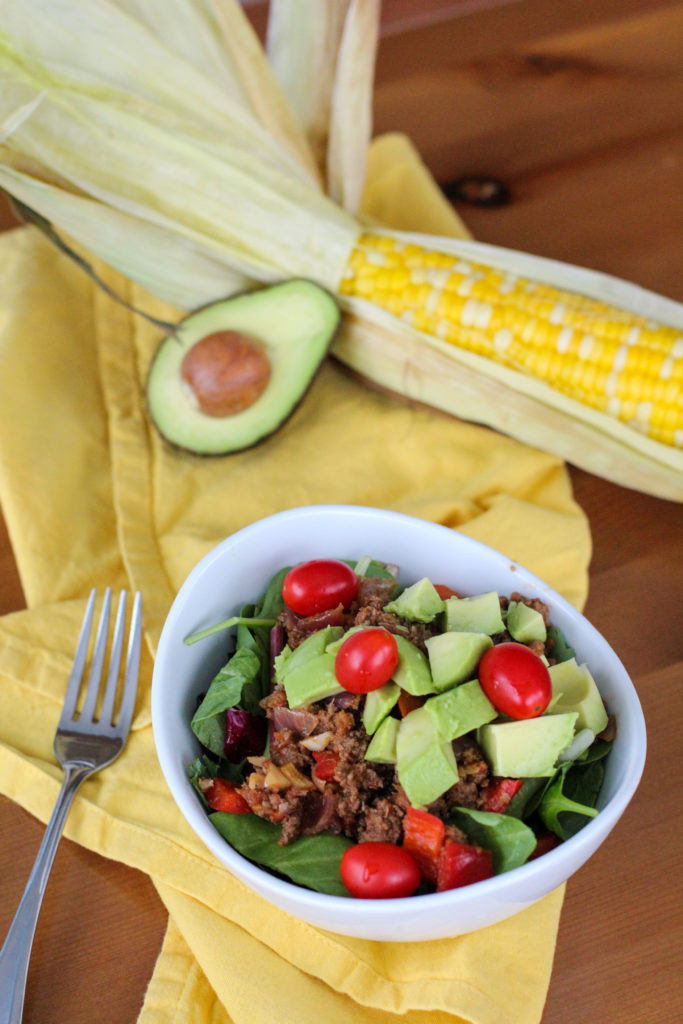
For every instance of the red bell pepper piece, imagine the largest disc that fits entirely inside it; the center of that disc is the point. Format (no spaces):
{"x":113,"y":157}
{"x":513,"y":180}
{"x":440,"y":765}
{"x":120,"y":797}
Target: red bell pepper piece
{"x":423,"y":838}
{"x":460,"y":864}
{"x":326,"y":762}
{"x":499,"y":793}
{"x":222,"y":795}
{"x":544,"y":843}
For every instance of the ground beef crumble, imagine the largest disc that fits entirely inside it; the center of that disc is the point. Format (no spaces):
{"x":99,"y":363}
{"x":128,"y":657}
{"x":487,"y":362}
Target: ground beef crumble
{"x":362,"y":800}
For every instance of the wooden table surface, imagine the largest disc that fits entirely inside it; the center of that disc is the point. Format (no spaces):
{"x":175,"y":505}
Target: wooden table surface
{"x":577,"y":109}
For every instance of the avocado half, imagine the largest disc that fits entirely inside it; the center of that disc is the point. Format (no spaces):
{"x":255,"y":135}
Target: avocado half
{"x":235,"y":370}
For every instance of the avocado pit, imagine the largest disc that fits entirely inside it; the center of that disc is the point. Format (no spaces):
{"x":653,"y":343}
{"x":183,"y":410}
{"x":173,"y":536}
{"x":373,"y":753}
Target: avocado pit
{"x":227,"y":371}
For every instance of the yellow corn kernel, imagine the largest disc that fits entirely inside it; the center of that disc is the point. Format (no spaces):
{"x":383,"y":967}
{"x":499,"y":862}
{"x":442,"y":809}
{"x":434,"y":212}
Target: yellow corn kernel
{"x":602,"y":356}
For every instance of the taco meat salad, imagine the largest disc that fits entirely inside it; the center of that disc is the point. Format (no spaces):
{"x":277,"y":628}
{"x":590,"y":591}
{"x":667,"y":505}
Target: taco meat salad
{"x":377,"y":740}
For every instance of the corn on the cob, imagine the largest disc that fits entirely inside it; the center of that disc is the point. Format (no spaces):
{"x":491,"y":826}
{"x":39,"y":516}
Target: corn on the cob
{"x":201,"y":164}
{"x":602,"y":356}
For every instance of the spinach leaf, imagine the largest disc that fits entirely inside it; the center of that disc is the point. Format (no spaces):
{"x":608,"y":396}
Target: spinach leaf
{"x":272,"y":602}
{"x":202,"y":768}
{"x":252,"y":638}
{"x":369,"y":567}
{"x":527,"y":798}
{"x":225,"y":691}
{"x":596,"y":752}
{"x":562,"y":651}
{"x":255,"y":635}
{"x":509,"y":839}
{"x":234,"y":620}
{"x":311,"y":861}
{"x":205,"y":767}
{"x":569,"y":800}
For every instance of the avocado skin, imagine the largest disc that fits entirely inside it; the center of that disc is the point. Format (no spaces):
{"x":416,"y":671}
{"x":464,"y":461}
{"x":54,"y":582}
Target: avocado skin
{"x":308,"y":358}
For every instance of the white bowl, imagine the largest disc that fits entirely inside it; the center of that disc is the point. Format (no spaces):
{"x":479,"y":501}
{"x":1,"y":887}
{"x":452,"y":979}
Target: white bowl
{"x":236,"y":572}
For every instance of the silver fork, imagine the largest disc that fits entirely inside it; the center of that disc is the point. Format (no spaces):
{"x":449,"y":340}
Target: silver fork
{"x":84,"y":743}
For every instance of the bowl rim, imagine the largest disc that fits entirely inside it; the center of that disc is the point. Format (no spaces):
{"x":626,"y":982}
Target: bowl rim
{"x":561,"y":857}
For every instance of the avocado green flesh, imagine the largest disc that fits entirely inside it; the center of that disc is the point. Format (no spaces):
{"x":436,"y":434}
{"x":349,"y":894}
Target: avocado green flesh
{"x":575,"y":690}
{"x":295,"y":321}
{"x":419,"y":603}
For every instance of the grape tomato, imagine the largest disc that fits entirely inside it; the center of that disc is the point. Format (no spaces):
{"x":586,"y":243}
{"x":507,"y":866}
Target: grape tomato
{"x":366,"y":660}
{"x":515,"y":680}
{"x":319,"y":585}
{"x":379,"y":871}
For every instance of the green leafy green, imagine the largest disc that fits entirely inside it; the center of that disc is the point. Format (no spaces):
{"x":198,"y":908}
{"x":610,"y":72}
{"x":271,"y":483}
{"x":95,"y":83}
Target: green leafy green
{"x":368,"y":567}
{"x":569,"y":800}
{"x":255,"y":635}
{"x":311,"y":861}
{"x":225,"y":691}
{"x":580,"y":787}
{"x":598,"y":750}
{"x":272,"y":602}
{"x":251,"y":638}
{"x":205,"y":767}
{"x":526,"y":799}
{"x":235,"y":620}
{"x":245,"y":679}
{"x":509,"y":839}
{"x":562,"y":651}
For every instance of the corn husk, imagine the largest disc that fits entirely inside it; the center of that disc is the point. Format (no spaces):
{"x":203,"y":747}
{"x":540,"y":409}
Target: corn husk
{"x":351,"y":111}
{"x":302,"y":44}
{"x":236,"y":195}
{"x":396,"y":357}
{"x":189,"y":276}
{"x":174,"y":139}
{"x":324,"y":56}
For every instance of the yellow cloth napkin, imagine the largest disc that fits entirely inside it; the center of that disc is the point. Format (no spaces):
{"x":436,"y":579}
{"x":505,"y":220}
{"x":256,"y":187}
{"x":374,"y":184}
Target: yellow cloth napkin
{"x":92,"y":497}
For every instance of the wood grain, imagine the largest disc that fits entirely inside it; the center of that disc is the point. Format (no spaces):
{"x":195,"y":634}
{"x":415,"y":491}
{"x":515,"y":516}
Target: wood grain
{"x":577,"y":108}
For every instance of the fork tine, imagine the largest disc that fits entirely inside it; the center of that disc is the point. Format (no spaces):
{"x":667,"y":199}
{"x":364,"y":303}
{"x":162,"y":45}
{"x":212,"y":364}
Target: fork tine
{"x":88,"y":712}
{"x":107,"y":711}
{"x":74,"y":685}
{"x":130,"y":684}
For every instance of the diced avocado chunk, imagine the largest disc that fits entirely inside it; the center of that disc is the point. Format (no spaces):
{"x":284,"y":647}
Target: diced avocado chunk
{"x":454,"y":656}
{"x":574,"y":689}
{"x":479,"y":614}
{"x":425,"y":762}
{"x":460,"y":710}
{"x":314,"y":645}
{"x":528,"y":748}
{"x":340,"y":636}
{"x":382,"y":746}
{"x":311,"y":681}
{"x":378,"y":704}
{"x":524,"y":623}
{"x":412,"y":672}
{"x":418,"y":603}
{"x":280,"y":661}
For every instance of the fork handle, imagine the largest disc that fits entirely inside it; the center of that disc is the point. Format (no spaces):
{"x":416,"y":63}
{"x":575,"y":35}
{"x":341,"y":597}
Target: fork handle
{"x":16,"y":952}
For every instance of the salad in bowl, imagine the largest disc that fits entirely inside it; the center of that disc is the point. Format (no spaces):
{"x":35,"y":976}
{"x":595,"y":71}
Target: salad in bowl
{"x":387,"y":728}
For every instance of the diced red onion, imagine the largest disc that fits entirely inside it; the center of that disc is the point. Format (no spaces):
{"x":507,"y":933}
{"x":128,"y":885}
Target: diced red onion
{"x":301,"y":722}
{"x":345,"y":699}
{"x":277,"y":643}
{"x":320,"y":812}
{"x":245,"y":734}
